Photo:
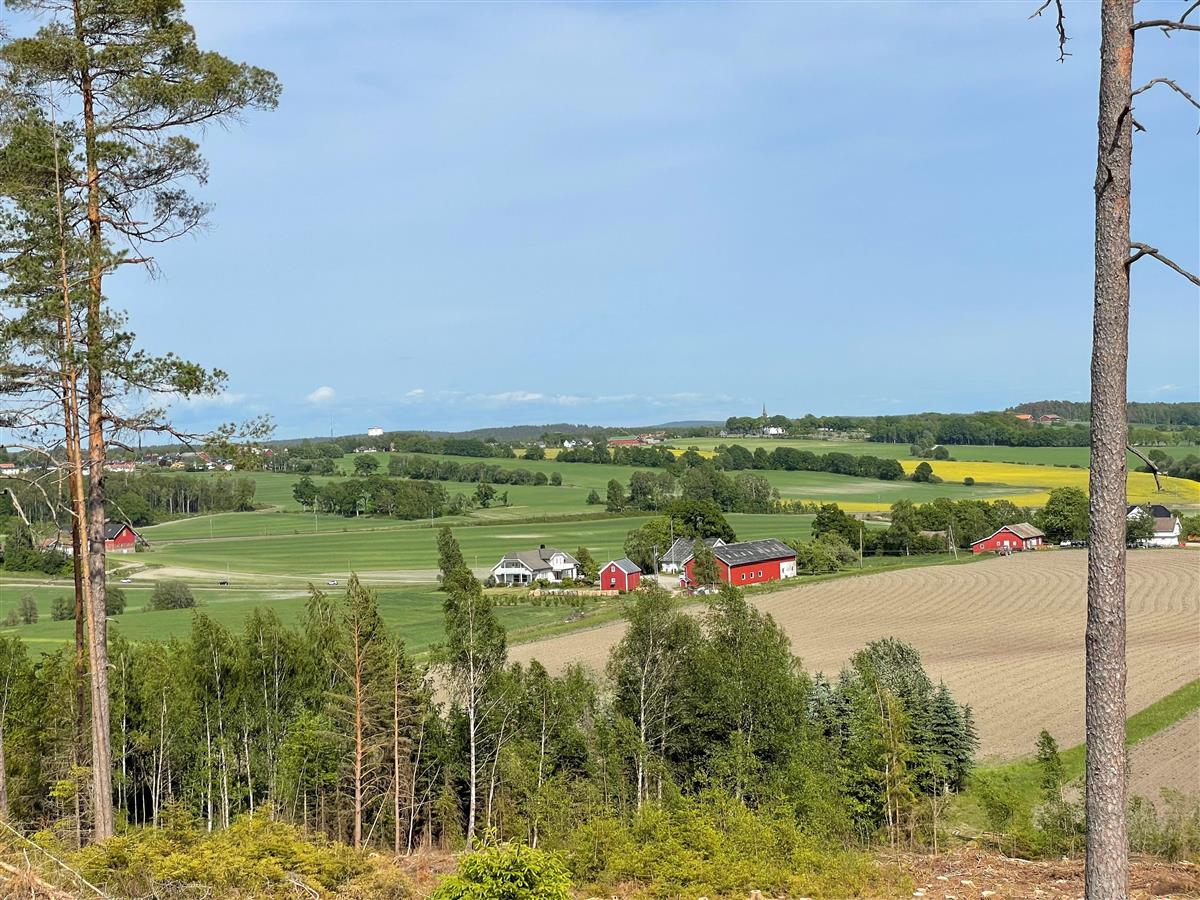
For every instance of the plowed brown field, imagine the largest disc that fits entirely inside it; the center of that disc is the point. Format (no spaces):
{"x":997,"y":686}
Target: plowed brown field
{"x":1005,"y":634}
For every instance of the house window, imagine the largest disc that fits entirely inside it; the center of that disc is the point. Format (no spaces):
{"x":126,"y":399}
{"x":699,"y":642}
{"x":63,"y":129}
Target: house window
{"x":743,"y":576}
{"x":612,"y":582}
{"x":760,"y":573}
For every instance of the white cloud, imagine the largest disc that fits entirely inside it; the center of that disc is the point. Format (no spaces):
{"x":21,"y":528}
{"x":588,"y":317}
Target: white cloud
{"x":206,"y":401}
{"x":415,"y":392}
{"x":514,"y":397}
{"x":1165,"y":389}
{"x":323,"y":394}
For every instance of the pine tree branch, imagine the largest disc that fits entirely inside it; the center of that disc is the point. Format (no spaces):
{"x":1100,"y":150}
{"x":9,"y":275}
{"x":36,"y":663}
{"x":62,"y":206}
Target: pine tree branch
{"x":1138,"y":453}
{"x":1060,"y":25}
{"x":1172,"y":85}
{"x":1147,"y":250}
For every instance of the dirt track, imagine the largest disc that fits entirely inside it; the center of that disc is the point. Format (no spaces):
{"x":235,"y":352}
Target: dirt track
{"x":1005,"y":634}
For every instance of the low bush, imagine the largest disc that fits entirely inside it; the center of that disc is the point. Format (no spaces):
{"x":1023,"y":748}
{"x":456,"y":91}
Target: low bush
{"x":507,"y":872}
{"x":256,"y":853}
{"x":715,"y":846}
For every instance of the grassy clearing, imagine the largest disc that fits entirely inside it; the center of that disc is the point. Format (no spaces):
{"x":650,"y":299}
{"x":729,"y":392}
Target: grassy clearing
{"x":413,"y":546}
{"x":415,"y":613}
{"x":1023,"y":774}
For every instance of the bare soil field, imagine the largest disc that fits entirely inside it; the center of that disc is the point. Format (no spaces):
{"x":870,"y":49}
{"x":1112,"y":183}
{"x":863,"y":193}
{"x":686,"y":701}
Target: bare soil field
{"x":1169,"y":759}
{"x":1005,"y":634}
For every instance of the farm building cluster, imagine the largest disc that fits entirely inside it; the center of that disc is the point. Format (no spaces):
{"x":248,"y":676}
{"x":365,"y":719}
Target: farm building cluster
{"x":742,"y":563}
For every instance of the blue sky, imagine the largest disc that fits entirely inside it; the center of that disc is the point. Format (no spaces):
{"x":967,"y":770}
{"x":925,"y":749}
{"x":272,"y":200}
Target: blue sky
{"x":470,"y":214}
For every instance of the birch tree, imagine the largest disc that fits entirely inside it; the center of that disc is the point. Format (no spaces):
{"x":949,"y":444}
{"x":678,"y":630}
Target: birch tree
{"x":1107,"y":866}
{"x":473,"y":654}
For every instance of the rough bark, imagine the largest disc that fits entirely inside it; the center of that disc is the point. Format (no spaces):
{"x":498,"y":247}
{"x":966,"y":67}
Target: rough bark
{"x":93,"y":536}
{"x":1107,"y":866}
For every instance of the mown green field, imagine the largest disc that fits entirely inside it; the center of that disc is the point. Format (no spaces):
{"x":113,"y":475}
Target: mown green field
{"x":409,"y":548}
{"x":415,"y":613}
{"x":1036,"y":456}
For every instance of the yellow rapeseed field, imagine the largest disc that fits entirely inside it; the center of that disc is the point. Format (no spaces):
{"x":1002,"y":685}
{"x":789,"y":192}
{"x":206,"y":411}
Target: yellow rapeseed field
{"x":1140,"y":485}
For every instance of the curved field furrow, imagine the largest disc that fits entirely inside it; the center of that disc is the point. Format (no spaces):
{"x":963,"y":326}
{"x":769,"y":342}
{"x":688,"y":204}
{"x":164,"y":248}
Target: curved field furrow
{"x":1169,"y":759}
{"x":1005,"y":634}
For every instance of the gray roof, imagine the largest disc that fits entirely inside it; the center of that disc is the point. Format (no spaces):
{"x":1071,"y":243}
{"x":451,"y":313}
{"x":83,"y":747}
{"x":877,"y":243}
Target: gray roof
{"x":112,"y":529}
{"x":1025,"y":530}
{"x":753,"y":551}
{"x":681,"y":551}
{"x":537,"y":560}
{"x":625,"y":564}
{"x":1157,"y":511}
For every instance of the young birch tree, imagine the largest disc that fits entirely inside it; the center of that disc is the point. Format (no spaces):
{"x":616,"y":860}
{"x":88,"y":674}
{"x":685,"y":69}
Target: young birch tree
{"x":473,"y":655}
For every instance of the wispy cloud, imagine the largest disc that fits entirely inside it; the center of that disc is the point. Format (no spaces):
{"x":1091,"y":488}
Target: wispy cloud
{"x":208,"y":401}
{"x":1165,"y":389}
{"x":321,"y":395}
{"x":415,"y":393}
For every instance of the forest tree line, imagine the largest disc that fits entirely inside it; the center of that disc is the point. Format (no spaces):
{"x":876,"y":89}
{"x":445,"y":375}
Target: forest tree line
{"x":332,"y":724}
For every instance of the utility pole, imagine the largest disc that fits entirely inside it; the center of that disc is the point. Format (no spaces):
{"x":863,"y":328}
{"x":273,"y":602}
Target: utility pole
{"x":862,"y":526}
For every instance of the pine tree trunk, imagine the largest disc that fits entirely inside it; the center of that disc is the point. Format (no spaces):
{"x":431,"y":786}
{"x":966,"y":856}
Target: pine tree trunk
{"x":102,"y":811}
{"x":1107,"y":867}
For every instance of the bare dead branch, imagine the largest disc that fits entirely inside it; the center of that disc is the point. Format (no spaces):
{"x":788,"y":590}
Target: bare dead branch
{"x":1172,"y":85}
{"x":1167,"y":25}
{"x":1138,"y":453}
{"x":1060,"y":24}
{"x":1147,"y":250}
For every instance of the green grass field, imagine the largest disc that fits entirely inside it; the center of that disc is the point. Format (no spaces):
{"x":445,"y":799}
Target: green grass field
{"x":1037,"y":456}
{"x":292,"y":555}
{"x":415,"y":613}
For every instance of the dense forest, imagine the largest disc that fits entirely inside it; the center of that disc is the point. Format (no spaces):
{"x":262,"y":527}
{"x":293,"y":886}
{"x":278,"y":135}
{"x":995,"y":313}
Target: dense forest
{"x":334,"y":726}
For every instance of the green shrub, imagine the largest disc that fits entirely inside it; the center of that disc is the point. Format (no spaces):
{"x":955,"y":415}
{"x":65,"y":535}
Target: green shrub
{"x":715,"y":846}
{"x":172,"y":595}
{"x":507,"y":872}
{"x":255,"y":852}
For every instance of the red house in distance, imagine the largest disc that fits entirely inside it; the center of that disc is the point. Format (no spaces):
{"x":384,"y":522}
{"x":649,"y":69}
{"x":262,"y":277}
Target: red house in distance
{"x":120,"y":538}
{"x":1010,"y":538}
{"x":750,"y":562}
{"x":620,"y":575}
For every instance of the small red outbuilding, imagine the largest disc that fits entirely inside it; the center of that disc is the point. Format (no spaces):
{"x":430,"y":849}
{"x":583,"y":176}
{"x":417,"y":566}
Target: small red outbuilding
{"x":1009,"y":538}
{"x":120,"y":538}
{"x":620,"y":575}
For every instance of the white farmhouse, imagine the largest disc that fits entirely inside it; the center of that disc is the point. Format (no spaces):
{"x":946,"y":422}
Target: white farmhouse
{"x":1167,"y":528}
{"x":528,"y":566}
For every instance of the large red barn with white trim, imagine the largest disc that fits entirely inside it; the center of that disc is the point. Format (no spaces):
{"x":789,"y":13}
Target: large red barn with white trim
{"x":750,"y":562}
{"x":1010,"y":538}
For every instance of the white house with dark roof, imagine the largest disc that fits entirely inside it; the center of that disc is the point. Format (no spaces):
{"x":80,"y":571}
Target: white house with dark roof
{"x":677,"y":556}
{"x":528,"y":566}
{"x":1168,"y":530}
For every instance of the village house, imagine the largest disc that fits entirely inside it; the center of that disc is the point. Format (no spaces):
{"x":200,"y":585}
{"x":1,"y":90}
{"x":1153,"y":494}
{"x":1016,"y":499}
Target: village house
{"x":680,"y":552}
{"x":528,"y":566}
{"x":1049,"y":419}
{"x":620,"y":575}
{"x":118,"y":538}
{"x":750,"y":562}
{"x":1009,"y":538}
{"x":1168,"y":530}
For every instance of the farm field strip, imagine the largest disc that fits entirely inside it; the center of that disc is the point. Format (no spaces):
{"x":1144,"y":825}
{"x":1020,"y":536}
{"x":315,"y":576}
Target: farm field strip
{"x":303,"y":555}
{"x":1005,"y":634}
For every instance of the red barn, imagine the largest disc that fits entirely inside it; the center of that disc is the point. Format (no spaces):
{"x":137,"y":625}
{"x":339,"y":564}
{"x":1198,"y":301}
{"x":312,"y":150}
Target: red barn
{"x":1021,"y":536}
{"x":750,"y":562}
{"x":120,"y":538}
{"x":620,"y":575}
